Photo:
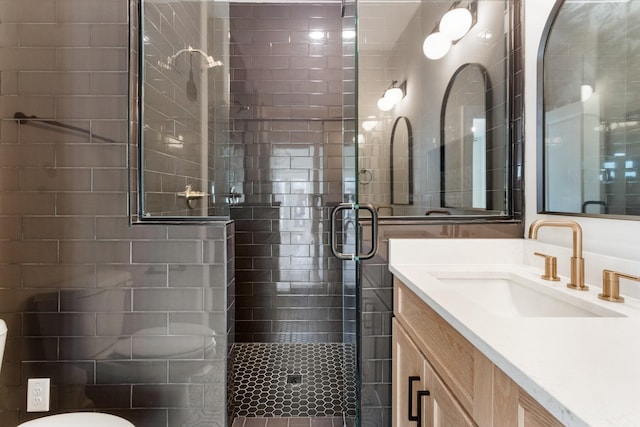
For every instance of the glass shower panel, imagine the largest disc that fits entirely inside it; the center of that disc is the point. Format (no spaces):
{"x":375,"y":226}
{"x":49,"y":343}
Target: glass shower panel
{"x":184,"y":158}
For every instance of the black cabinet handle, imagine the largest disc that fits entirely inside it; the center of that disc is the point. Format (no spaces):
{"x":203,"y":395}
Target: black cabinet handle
{"x":420,"y":394}
{"x":412,"y":417}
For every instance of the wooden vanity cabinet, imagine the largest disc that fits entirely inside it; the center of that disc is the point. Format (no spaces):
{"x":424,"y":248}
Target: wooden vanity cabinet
{"x":465,"y":388}
{"x":412,"y":376}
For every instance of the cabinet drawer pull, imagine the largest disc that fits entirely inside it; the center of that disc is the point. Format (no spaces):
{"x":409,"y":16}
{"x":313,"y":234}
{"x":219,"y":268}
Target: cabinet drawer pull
{"x":411,"y":417}
{"x":419,"y":395}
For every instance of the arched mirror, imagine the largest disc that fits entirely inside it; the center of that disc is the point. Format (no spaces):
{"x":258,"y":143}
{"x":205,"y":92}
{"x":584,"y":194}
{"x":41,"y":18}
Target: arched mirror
{"x":464,"y":159}
{"x":589,"y":151}
{"x":401,"y":162}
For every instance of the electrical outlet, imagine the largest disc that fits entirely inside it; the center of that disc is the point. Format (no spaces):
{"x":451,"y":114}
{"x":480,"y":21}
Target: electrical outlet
{"x":38,"y":395}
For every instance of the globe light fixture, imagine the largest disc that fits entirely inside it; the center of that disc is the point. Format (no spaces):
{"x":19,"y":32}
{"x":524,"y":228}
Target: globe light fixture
{"x":456,"y":23}
{"x":385,"y":104}
{"x":436,"y":46}
{"x":392,"y":96}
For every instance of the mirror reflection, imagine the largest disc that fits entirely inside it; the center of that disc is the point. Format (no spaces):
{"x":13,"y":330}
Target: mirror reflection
{"x":475,"y":183}
{"x":591,"y":102}
{"x":464,"y":139}
{"x":401,"y":162}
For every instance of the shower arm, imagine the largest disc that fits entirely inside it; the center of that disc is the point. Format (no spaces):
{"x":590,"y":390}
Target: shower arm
{"x":211,"y":63}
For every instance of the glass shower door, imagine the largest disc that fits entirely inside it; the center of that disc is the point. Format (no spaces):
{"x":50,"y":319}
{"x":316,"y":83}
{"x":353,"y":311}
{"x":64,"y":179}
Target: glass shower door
{"x":292,"y":120}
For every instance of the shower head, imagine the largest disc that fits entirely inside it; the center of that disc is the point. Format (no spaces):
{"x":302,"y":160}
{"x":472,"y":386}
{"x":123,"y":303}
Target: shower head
{"x":209,"y":61}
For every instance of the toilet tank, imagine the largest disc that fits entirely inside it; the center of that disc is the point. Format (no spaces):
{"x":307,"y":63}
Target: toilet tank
{"x":3,"y":339}
{"x":110,"y":294}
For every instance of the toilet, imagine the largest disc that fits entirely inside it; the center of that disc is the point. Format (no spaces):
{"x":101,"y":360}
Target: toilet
{"x":183,"y":341}
{"x":78,"y":419}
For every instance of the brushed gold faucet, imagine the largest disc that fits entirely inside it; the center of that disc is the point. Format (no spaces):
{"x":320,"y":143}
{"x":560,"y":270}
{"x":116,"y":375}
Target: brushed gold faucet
{"x":577,"y":262}
{"x":611,"y":285}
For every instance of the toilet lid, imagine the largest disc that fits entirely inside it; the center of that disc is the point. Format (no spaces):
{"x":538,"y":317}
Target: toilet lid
{"x":79,"y":419}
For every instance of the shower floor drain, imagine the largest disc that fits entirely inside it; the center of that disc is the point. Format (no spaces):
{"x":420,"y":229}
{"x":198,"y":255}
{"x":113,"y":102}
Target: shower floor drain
{"x":294,"y":379}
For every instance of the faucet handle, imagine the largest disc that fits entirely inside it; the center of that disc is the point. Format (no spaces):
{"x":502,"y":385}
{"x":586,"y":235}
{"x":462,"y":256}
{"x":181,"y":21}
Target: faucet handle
{"x":550,"y":267}
{"x":611,"y":285}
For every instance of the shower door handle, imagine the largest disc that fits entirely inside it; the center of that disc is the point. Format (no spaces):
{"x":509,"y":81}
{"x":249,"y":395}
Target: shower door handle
{"x":374,"y":232}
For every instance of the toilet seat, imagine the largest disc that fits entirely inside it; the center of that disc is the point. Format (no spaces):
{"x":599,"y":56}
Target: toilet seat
{"x":78,"y":419}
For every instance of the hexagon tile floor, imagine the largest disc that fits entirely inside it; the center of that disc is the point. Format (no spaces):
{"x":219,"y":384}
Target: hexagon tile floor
{"x":294,"y":380}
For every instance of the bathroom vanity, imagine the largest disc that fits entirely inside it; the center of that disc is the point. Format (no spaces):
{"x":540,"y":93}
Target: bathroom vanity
{"x":479,"y":338}
{"x":465,"y":387}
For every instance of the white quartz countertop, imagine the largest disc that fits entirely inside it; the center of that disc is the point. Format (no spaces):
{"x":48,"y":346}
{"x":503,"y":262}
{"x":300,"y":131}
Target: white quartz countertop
{"x":584,"y":370}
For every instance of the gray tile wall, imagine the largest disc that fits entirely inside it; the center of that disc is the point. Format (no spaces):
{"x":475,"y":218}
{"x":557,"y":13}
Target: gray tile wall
{"x":95,"y":304}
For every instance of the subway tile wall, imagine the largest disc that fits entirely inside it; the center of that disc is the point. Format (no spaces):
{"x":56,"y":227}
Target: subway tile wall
{"x":130,"y":320}
{"x":287,"y":96}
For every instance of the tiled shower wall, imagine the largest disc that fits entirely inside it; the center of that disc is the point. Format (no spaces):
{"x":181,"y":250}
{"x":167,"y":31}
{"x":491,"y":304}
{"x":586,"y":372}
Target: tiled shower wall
{"x":287,"y":97}
{"x":94,"y":304}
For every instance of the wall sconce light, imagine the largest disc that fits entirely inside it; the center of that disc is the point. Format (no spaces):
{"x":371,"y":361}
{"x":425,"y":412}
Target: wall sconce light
{"x":392,"y":96}
{"x":453,"y":26}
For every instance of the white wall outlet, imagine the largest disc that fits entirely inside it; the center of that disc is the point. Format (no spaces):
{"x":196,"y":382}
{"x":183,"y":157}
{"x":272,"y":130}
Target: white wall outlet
{"x":38,"y":395}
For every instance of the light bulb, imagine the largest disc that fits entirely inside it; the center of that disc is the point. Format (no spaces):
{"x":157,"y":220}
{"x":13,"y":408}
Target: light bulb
{"x":394,"y":95}
{"x":385,"y":104}
{"x":456,"y":23}
{"x":436,"y":46}
{"x":585,"y":92}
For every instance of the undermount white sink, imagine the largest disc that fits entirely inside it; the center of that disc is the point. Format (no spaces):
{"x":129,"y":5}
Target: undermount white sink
{"x":508,"y":294}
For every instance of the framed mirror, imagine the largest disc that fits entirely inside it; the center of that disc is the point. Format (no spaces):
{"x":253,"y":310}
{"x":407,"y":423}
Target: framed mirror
{"x":464,"y":125}
{"x":589,"y":151}
{"x":493,"y":44}
{"x":401,"y":162}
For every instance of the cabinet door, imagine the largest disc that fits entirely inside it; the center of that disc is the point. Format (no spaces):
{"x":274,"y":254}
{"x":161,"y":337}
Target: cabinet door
{"x":439,"y":407}
{"x":443,"y":409}
{"x":408,"y":364}
{"x":532,"y":414}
